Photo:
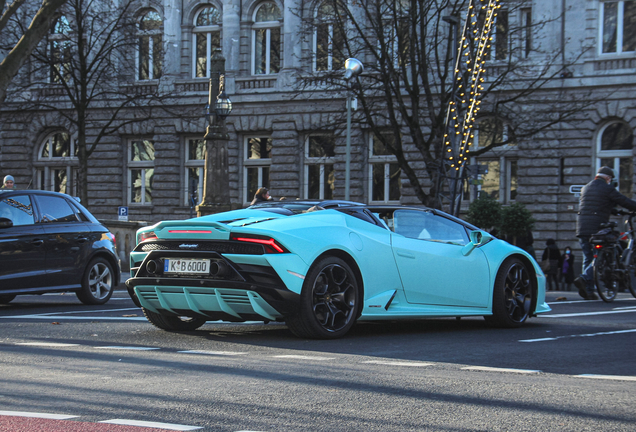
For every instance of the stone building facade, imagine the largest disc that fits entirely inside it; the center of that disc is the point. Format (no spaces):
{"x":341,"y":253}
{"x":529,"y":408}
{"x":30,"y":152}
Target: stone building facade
{"x":281,"y":141}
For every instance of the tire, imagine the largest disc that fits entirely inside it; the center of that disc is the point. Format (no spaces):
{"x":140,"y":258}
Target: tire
{"x":173,"y":322}
{"x":329,"y":301}
{"x":97,"y":283}
{"x":6,"y":299}
{"x":631,"y":284}
{"x":606,"y":277}
{"x":513,"y":295}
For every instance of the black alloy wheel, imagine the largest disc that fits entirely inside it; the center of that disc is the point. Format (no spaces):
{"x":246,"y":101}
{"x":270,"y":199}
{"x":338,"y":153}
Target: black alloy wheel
{"x":512,"y":296}
{"x":329,"y":301}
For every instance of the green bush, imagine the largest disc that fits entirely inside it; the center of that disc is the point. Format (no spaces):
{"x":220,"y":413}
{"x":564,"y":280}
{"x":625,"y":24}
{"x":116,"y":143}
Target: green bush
{"x":516,"y":221}
{"x":485,"y":213}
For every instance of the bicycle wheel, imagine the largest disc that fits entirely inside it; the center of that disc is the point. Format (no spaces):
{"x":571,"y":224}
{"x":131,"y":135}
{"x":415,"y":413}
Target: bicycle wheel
{"x":605,"y":276}
{"x":631,"y":283}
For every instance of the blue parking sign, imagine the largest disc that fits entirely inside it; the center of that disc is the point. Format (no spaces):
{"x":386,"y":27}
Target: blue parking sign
{"x":122,"y":212}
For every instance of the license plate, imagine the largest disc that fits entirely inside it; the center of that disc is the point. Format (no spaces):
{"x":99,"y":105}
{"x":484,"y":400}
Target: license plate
{"x":186,"y":266}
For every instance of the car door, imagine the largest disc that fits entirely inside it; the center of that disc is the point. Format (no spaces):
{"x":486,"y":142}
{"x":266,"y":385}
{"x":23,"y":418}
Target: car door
{"x":428,"y":252}
{"x":67,"y":243}
{"x":22,"y":252}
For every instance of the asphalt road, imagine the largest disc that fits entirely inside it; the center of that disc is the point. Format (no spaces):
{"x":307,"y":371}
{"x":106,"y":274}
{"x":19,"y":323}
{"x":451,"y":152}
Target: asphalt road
{"x":572,"y":369}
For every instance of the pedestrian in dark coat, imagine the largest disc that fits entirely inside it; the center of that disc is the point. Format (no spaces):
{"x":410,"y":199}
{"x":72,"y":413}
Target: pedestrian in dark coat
{"x":261,"y":195}
{"x":567,"y":269}
{"x":552,"y":254}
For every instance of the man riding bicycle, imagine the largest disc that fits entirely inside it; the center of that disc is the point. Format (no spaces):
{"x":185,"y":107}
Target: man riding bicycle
{"x":598,"y":198}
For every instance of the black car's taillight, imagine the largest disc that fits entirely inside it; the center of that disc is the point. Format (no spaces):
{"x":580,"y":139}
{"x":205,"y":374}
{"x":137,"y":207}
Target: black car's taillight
{"x":270,"y":245}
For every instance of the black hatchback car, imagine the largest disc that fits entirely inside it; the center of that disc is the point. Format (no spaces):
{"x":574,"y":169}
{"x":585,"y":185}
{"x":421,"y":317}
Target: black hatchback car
{"x":50,"y":243}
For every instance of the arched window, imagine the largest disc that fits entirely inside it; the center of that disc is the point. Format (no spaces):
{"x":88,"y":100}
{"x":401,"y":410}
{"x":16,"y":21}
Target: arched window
{"x":614,"y":148}
{"x":266,"y":39}
{"x":60,"y":50}
{"x":329,"y":39}
{"x":495,"y":173}
{"x":56,"y":162}
{"x":206,"y":38}
{"x":149,"y":43}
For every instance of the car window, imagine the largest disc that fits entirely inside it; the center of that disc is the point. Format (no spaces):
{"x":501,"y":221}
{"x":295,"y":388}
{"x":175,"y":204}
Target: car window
{"x":428,"y":226}
{"x":56,"y":209}
{"x":18,"y":208}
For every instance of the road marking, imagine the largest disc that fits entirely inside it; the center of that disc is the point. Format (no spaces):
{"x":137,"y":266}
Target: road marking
{"x":301,"y":357}
{"x":47,"y":344}
{"x":37,"y":415}
{"x":494,"y":369}
{"x":587,"y":301}
{"x":398,"y":363}
{"x":66,"y":317}
{"x":155,"y":425}
{"x":216,"y":353}
{"x":608,"y":377}
{"x":615,"y":311}
{"x":580,"y":335}
{"x":127,"y":348}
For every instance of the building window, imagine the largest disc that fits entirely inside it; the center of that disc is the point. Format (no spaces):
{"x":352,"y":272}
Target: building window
{"x":60,"y":53}
{"x":320,"y":151}
{"x":150,"y":52}
{"x":501,"y":180}
{"x":329,"y":39}
{"x":266,"y":39}
{"x":526,"y":31}
{"x":618,"y":27}
{"x":141,"y":164}
{"x":206,"y":38}
{"x":384,"y":171}
{"x":194,"y":171}
{"x":258,"y":158}
{"x":57,"y":159}
{"x":500,"y":35}
{"x":614,"y":148}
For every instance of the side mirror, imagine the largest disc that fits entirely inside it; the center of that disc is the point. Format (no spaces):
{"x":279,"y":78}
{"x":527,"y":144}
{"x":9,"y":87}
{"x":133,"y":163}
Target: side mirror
{"x":5,"y":223}
{"x":477,"y":238}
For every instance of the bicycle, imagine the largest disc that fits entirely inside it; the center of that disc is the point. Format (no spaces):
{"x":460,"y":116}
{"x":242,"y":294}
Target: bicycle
{"x":614,"y":263}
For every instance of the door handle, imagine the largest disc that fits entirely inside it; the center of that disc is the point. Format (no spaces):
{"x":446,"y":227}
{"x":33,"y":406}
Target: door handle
{"x":405,"y":254}
{"x":81,"y":239}
{"x":37,"y":242}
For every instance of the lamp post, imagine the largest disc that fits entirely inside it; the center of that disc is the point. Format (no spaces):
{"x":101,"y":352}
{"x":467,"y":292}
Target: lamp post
{"x":353,"y":68}
{"x":216,"y":186}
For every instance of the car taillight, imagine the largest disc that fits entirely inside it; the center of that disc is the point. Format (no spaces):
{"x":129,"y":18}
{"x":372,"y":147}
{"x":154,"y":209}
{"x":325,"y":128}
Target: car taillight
{"x":112,"y":238}
{"x":271,"y":245}
{"x":148,"y":235}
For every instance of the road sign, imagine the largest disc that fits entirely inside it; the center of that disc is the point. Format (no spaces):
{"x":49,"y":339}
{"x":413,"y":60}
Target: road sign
{"x":576,"y":190}
{"x":122,"y":212}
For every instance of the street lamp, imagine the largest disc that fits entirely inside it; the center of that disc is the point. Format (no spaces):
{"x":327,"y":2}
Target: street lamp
{"x":216,"y":185}
{"x":353,"y":68}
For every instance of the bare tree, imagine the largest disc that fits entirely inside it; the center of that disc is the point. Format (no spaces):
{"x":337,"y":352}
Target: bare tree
{"x":82,"y":70}
{"x":413,"y":52}
{"x":23,"y":43}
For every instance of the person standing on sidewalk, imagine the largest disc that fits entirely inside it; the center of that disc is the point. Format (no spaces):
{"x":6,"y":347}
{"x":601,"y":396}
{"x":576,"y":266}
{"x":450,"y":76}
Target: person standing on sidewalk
{"x":598,"y":198}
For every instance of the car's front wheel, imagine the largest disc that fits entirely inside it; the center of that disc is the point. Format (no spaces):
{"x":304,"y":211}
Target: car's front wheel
{"x":173,"y":322}
{"x":329,"y":301}
{"x":4,"y":299}
{"x":513,"y":295}
{"x":97,"y":283}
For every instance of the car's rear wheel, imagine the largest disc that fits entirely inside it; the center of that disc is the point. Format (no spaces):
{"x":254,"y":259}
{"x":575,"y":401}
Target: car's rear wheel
{"x":97,"y":283}
{"x":329,"y":301}
{"x":173,"y":322}
{"x":4,"y":299}
{"x":513,"y":295}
